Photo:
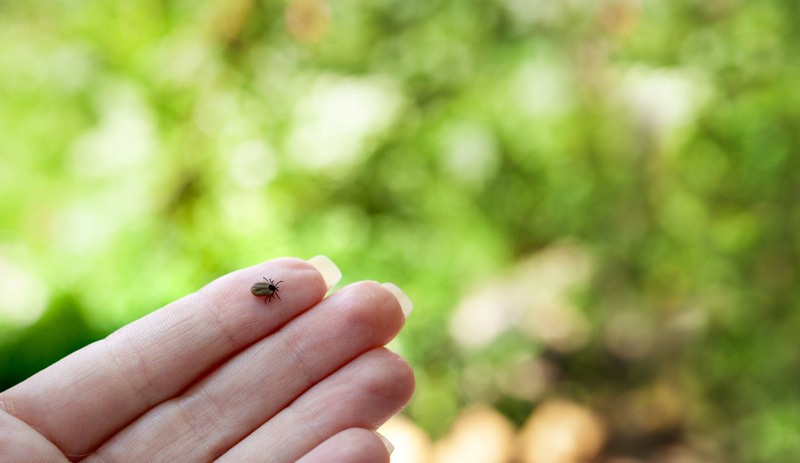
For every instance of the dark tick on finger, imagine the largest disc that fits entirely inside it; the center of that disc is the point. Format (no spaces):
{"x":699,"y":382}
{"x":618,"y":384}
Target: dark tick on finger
{"x":267,"y":288}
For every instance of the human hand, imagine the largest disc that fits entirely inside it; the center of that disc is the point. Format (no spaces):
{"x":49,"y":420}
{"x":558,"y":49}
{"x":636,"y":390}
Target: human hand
{"x":221,"y":376}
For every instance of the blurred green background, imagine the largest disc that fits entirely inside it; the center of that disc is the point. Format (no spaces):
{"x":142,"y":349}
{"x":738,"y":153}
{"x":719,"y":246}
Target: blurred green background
{"x":590,"y":200}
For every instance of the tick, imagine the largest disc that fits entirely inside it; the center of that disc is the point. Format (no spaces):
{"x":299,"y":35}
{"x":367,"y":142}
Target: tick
{"x":268,"y":289}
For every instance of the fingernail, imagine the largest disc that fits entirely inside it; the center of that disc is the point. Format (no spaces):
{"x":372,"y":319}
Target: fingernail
{"x":385,"y":441}
{"x":329,"y":271}
{"x":402,"y":298}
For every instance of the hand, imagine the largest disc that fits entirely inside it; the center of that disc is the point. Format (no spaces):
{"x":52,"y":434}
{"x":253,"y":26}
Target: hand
{"x":220,"y":375}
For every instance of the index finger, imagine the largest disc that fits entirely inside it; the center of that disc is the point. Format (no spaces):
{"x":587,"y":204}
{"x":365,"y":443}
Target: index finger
{"x":106,"y":385}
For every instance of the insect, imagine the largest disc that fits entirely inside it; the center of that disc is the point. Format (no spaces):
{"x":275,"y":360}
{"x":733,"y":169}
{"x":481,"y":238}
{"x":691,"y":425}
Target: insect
{"x":268,"y":289}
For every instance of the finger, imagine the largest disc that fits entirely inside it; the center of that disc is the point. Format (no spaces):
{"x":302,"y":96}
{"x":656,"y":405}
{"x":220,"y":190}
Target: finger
{"x":363,"y":394}
{"x":245,"y":392}
{"x":354,"y":445}
{"x":19,"y":443}
{"x":106,"y":385}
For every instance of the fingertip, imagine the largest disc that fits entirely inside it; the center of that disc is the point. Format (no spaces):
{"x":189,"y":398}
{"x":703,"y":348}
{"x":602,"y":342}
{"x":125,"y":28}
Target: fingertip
{"x":329,"y":271}
{"x":354,"y":445}
{"x":402,"y":298}
{"x":386,"y":443}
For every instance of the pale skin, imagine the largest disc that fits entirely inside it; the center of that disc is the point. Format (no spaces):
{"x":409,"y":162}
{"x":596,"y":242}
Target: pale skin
{"x":220,"y":376}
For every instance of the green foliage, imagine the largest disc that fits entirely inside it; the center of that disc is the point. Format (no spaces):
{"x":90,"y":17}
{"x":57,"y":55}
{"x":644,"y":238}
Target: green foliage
{"x":149,"y":147}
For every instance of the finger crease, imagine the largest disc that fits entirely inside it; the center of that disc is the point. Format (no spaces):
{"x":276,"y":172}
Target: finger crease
{"x":139,"y":390}
{"x":207,"y":305}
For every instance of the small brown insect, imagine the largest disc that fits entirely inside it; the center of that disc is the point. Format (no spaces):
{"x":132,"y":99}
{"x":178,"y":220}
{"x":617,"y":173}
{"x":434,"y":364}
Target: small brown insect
{"x":268,"y":288}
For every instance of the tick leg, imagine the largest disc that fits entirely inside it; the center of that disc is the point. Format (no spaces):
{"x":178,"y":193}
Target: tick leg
{"x":276,"y":295}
